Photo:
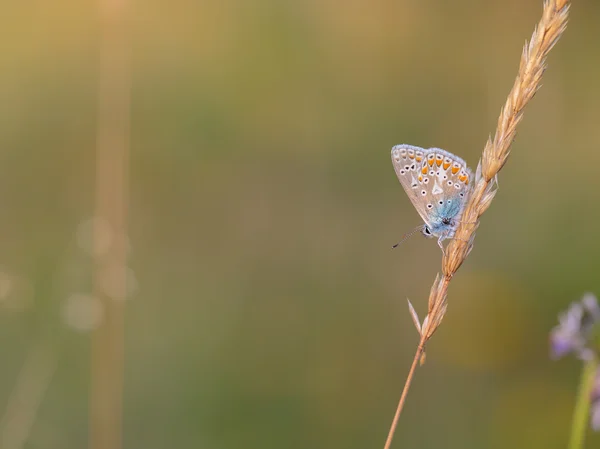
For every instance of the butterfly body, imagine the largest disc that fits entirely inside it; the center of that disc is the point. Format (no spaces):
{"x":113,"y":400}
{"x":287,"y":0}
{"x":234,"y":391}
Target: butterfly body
{"x":437,"y":183}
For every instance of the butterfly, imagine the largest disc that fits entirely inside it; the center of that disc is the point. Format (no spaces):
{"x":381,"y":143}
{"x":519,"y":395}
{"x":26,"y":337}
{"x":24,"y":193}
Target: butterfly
{"x":437,"y":183}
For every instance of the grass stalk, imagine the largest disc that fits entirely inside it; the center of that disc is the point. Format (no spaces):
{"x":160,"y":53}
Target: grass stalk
{"x":26,"y":397}
{"x":112,"y":152}
{"x":581,"y":415}
{"x":495,"y":154}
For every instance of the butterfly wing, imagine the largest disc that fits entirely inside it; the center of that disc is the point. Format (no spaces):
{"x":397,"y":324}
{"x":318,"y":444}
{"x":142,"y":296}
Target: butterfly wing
{"x":436,"y":182}
{"x":408,"y":161}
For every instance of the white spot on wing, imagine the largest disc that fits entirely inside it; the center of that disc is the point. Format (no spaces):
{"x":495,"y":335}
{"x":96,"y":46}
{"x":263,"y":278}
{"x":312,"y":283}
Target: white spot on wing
{"x":437,"y":189}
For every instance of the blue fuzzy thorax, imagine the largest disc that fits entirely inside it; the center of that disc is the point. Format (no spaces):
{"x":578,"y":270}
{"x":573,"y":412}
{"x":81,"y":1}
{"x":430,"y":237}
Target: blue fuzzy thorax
{"x":448,"y":211}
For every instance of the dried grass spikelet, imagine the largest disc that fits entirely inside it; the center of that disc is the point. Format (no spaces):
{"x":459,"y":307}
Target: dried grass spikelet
{"x":495,"y":154}
{"x":533,"y":63}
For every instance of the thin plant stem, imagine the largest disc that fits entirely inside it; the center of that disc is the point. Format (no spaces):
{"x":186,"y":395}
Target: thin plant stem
{"x":582,"y":406}
{"x":418,"y":354}
{"x":110,"y":264}
{"x":26,"y":397}
{"x":495,"y":154}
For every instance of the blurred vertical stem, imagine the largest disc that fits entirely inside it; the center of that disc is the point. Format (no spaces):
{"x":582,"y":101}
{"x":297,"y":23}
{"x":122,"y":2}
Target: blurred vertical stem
{"x":112,"y":154}
{"x":26,"y":397}
{"x":581,"y":416}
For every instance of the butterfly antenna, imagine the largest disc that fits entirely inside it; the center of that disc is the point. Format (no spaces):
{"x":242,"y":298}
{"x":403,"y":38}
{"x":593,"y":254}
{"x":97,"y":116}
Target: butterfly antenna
{"x":406,"y":236}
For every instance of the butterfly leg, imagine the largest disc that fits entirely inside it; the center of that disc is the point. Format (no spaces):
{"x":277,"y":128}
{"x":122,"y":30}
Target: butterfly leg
{"x":442,"y":237}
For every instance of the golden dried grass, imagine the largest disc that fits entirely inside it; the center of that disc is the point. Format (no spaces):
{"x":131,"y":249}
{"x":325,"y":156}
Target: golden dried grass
{"x":495,"y":154}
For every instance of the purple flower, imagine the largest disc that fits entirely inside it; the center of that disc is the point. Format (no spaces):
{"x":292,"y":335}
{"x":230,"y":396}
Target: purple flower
{"x":575,"y":329}
{"x":575,"y":333}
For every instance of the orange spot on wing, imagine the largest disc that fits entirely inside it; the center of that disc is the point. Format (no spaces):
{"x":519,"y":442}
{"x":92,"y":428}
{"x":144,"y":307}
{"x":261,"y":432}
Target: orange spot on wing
{"x":419,"y":158}
{"x":446,"y":165}
{"x":463,"y":178}
{"x":420,"y":178}
{"x":430,"y":162}
{"x":424,"y":170}
{"x":438,"y":162}
{"x":455,"y":170}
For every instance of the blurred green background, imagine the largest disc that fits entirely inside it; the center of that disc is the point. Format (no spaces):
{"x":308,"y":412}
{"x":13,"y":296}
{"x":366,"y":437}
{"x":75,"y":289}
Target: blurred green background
{"x":267,"y":308}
